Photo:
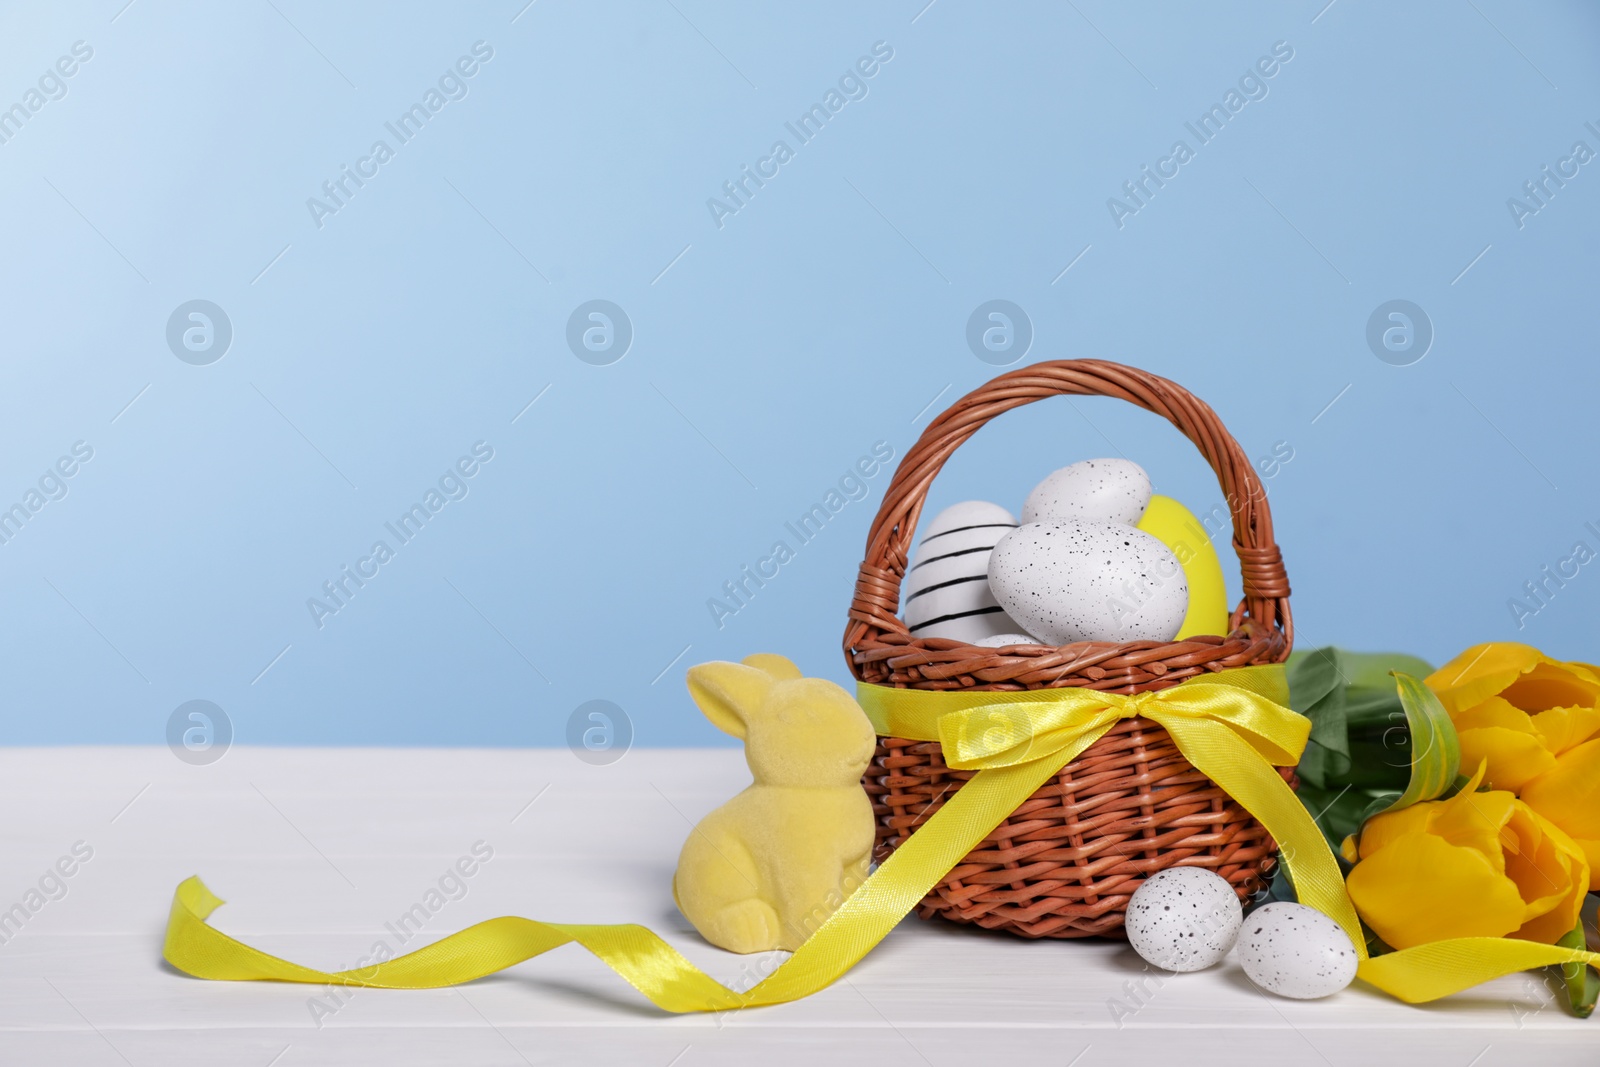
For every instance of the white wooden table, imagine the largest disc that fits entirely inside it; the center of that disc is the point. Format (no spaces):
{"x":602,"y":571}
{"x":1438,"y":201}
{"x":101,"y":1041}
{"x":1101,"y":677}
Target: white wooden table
{"x":316,"y":850}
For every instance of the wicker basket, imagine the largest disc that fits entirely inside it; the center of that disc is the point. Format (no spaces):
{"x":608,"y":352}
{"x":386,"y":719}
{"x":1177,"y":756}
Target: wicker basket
{"x":1065,"y":862}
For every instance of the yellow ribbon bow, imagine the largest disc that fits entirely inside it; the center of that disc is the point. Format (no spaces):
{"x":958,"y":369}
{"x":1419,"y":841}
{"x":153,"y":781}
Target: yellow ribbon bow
{"x":1230,"y":725}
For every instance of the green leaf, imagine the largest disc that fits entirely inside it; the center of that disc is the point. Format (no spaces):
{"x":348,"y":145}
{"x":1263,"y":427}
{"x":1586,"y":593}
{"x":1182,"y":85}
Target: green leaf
{"x":1372,"y":669}
{"x":1380,"y":739}
{"x":1352,"y":704}
{"x":1380,"y":762}
{"x":1313,"y":675}
{"x":1435,"y":752}
{"x":1373,"y":709}
{"x":1583,"y":985}
{"x":1339,"y":813}
{"x":1317,"y":691}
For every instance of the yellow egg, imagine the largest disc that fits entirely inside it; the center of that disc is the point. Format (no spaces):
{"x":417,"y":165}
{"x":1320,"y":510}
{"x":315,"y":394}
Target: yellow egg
{"x":1176,"y":527}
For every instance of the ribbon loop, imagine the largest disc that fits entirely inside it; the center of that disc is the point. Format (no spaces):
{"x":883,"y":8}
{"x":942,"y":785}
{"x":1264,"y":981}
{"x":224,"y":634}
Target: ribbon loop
{"x":1006,"y":734}
{"x":1013,"y":728}
{"x":1227,"y":724}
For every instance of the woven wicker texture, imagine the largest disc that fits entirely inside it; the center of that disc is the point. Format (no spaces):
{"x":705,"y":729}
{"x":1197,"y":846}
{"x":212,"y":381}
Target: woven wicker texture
{"x":1065,"y":863}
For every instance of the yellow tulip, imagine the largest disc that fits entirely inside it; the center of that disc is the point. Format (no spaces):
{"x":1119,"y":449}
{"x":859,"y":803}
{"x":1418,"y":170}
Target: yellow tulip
{"x":1569,"y":795}
{"x":1476,"y":865}
{"x":1535,"y":723}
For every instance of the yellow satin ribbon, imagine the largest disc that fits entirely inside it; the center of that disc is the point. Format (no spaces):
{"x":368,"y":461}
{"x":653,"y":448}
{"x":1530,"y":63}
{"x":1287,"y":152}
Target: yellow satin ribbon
{"x":1439,"y":968}
{"x":1230,"y":725}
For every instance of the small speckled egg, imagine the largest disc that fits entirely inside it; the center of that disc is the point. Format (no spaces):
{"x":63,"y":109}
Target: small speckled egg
{"x":1296,"y":951}
{"x":1095,"y":490}
{"x":1088,"y":581}
{"x":1183,"y":919}
{"x":946,"y":588}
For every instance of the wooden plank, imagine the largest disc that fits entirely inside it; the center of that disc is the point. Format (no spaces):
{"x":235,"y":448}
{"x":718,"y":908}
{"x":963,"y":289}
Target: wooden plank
{"x":320,"y":850}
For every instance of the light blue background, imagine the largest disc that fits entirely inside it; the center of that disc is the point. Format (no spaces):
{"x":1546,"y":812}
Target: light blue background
{"x":824,"y":316}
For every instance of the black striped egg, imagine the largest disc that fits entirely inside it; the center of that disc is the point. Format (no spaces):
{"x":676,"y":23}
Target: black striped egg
{"x":946,"y":589}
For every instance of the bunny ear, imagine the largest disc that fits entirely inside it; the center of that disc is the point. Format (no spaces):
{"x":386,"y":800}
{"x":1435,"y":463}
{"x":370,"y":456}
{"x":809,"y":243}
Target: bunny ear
{"x":780,"y":668}
{"x":728,"y":693}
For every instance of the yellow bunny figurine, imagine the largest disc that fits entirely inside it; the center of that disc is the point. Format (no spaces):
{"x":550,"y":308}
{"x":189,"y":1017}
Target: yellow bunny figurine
{"x":768,"y":867}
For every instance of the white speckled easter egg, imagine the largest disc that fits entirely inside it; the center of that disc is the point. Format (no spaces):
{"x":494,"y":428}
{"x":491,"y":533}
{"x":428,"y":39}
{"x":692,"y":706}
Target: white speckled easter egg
{"x":1094,"y":490}
{"x":1183,"y":919}
{"x":1296,"y":951}
{"x":1002,"y":640}
{"x":946,"y":589}
{"x":1088,"y":581}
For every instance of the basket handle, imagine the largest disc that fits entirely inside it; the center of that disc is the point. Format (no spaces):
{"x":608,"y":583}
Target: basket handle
{"x":1266,"y":586}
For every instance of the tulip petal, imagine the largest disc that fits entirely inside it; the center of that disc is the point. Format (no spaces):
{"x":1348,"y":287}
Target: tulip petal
{"x":1552,"y":685}
{"x":1550,"y":872}
{"x":1588,"y":670}
{"x":1540,"y":859}
{"x":1568,"y":795}
{"x":1513,"y":758}
{"x":1382,"y":830}
{"x":1495,"y":711}
{"x":1421,"y":888}
{"x":1591,"y":852}
{"x":1476,"y":821}
{"x":1565,"y":728}
{"x":1480,"y":672}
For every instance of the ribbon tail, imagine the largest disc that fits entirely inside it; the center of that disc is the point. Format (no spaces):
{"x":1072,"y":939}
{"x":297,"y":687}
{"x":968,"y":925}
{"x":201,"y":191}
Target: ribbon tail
{"x":644,"y":960}
{"x":196,"y":948}
{"x":1440,"y":968}
{"x":1219,"y":753}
